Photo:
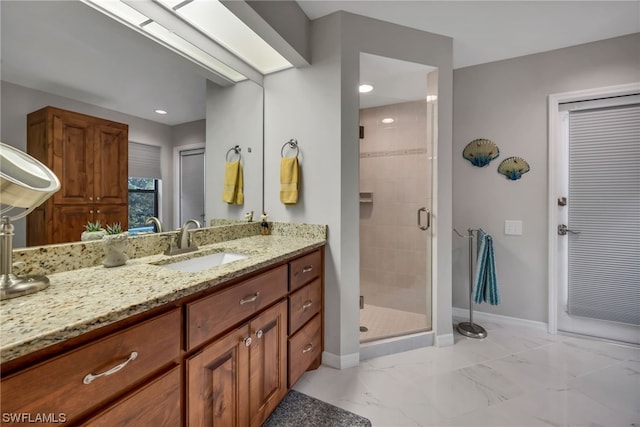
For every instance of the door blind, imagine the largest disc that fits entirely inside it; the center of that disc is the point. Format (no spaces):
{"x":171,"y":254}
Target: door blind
{"x":604,"y":208}
{"x":144,"y":161}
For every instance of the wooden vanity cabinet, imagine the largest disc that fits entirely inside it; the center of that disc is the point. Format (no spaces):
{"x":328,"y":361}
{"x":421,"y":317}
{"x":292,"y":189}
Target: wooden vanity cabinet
{"x":306,"y":302}
{"x":86,"y":379}
{"x":89,"y":156}
{"x":224,"y":359}
{"x":239,"y":379}
{"x":155,"y":404}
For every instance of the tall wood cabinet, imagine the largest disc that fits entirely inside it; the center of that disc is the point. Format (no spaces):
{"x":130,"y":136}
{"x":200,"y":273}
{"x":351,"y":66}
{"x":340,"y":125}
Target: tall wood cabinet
{"x":90,"y":157}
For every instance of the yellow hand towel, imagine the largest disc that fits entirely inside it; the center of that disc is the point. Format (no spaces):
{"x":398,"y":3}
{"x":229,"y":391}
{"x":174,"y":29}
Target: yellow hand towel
{"x":232,"y":192}
{"x":289,"y":180}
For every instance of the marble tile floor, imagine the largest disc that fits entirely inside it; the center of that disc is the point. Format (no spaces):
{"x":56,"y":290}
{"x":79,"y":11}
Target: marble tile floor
{"x":515,"y":377}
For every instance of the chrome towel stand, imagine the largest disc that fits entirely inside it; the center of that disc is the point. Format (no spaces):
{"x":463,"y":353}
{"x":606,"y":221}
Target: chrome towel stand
{"x":470,"y":329}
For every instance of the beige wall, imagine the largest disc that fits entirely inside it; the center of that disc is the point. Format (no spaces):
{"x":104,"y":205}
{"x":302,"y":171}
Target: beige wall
{"x":506,"y":101}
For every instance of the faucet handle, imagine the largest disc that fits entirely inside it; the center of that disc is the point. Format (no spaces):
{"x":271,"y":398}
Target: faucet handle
{"x":173,"y":238}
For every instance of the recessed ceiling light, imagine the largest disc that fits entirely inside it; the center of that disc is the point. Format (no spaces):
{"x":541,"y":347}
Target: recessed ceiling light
{"x":365,"y":88}
{"x":388,"y":120}
{"x":161,"y":112}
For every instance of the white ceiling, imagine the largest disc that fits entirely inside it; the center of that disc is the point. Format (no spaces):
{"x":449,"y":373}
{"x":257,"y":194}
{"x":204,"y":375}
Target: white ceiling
{"x":393,"y":81}
{"x":69,"y":49}
{"x":486,"y":31}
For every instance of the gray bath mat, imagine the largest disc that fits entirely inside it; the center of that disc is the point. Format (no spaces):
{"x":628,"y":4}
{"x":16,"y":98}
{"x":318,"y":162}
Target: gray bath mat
{"x":299,"y":410}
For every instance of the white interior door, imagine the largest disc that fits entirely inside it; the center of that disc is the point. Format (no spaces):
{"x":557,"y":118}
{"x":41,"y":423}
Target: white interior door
{"x":191,"y":185}
{"x":598,"y":218}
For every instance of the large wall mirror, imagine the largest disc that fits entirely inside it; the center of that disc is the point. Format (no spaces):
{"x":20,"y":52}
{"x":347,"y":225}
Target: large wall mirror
{"x":68,"y":55}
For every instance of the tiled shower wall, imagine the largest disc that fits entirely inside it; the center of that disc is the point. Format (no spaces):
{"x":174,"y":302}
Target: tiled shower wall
{"x":396,"y":167}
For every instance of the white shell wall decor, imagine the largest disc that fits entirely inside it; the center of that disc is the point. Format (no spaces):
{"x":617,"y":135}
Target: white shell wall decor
{"x":513,"y":167}
{"x":480,"y":152}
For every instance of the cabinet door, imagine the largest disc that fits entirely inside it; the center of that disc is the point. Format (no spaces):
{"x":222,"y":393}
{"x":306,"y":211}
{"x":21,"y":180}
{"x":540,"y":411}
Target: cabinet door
{"x":217,"y":382}
{"x":109,"y":214}
{"x":268,"y":363}
{"x":69,"y":221}
{"x":111,"y":164}
{"x":73,"y":157}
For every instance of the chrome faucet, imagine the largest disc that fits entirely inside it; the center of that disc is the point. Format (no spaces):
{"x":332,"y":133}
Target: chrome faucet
{"x":155,"y":221}
{"x":184,"y":239}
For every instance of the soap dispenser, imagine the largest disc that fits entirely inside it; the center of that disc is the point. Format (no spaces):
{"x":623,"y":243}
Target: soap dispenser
{"x":264,"y":225}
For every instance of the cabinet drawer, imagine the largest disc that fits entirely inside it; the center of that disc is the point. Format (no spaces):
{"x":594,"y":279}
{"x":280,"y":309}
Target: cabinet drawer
{"x":304,"y":304}
{"x":304,"y":347}
{"x":155,"y":404}
{"x":304,"y":269}
{"x":62,"y":384}
{"x":216,"y":313}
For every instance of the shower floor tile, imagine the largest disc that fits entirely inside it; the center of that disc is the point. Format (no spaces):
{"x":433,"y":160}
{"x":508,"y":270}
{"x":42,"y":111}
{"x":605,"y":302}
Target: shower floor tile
{"x":383,"y":322}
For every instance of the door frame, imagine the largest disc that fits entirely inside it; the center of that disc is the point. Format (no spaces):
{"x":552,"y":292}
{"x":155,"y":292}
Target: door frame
{"x":555,"y":156}
{"x":176,"y":177}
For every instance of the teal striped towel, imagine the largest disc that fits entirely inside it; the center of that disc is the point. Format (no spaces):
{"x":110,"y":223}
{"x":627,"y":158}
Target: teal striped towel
{"x":486,"y":282}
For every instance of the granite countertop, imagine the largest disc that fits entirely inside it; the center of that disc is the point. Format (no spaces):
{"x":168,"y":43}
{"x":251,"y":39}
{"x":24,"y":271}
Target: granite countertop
{"x":82,"y":300}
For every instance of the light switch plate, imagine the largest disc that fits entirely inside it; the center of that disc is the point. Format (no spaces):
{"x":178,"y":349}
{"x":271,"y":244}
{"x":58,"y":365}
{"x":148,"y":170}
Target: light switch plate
{"x":513,"y":227}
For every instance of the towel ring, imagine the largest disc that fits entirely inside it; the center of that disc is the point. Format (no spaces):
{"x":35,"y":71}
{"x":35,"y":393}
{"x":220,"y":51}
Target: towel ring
{"x":292,"y":143}
{"x":236,"y":150}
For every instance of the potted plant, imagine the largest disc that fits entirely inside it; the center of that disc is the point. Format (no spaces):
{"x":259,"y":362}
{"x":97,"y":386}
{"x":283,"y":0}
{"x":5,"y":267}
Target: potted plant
{"x":114,"y":243}
{"x":92,"y":231}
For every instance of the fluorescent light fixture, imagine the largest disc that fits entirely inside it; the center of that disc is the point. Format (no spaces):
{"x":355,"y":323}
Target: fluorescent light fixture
{"x":210,"y":20}
{"x":217,"y":22}
{"x":190,"y":51}
{"x":365,"y":88}
{"x":161,"y":111}
{"x":388,"y":120}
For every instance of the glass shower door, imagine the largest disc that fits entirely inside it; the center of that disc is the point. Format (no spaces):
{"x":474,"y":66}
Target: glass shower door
{"x":396,"y":157}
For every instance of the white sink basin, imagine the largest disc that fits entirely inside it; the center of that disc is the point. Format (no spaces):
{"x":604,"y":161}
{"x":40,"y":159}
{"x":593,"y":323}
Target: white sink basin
{"x":204,"y":262}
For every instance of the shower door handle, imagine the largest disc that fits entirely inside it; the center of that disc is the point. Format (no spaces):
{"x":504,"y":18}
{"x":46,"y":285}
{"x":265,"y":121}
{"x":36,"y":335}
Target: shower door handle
{"x":428,"y":212}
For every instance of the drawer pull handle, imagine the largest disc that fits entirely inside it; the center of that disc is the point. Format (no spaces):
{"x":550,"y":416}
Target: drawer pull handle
{"x":248,"y":341}
{"x":307,"y":269}
{"x":308,"y":348}
{"x":307,"y":304}
{"x":259,"y":334}
{"x":88,"y":379}
{"x":252,"y":298}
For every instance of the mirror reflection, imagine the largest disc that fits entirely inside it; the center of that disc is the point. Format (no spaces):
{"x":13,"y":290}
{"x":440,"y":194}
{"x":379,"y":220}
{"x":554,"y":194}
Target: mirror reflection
{"x":68,"y":55}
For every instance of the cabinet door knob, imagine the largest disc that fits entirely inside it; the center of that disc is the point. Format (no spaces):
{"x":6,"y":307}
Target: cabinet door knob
{"x":98,"y":211}
{"x":98,"y":198}
{"x":91,"y":198}
{"x":91,"y":211}
{"x":259,"y":334}
{"x":308,"y":348}
{"x":307,"y":269}
{"x":248,"y":341}
{"x":307,"y":304}
{"x":90,"y":377}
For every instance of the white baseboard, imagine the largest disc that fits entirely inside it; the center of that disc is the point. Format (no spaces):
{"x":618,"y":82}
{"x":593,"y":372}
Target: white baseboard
{"x":340,"y":362}
{"x":444,"y":340}
{"x":463,"y":313}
